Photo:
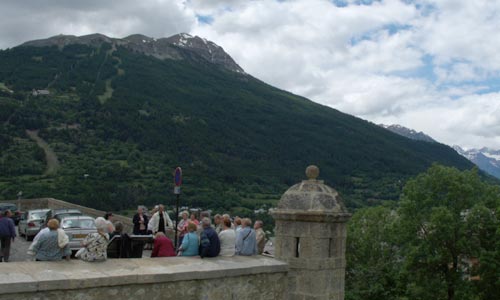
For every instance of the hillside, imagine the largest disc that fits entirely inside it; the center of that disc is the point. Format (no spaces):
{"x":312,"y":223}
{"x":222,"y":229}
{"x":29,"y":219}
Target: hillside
{"x":120,"y":119}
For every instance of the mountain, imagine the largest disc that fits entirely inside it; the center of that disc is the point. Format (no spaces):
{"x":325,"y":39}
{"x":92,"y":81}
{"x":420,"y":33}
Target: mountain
{"x":409,"y":133}
{"x":164,"y":48}
{"x":486,"y":159}
{"x":103,"y":122}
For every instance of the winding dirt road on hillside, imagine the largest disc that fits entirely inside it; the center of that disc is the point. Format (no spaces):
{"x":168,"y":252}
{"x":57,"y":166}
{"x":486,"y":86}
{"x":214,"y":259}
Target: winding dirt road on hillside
{"x":50,"y":156}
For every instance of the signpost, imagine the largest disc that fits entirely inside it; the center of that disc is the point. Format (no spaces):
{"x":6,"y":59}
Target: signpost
{"x":177,"y":192}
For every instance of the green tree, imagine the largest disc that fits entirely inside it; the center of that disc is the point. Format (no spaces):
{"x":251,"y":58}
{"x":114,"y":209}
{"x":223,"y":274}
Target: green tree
{"x":443,"y":215}
{"x":373,"y":263}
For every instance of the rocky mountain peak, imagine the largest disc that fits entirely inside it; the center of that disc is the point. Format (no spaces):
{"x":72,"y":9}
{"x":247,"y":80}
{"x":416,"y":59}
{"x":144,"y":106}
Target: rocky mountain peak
{"x":139,"y":38}
{"x":179,"y":46}
{"x":409,"y":133}
{"x":207,"y":49}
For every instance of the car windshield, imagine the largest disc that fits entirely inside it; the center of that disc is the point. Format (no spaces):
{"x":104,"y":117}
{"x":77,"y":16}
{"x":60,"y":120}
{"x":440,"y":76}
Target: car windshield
{"x":61,"y":216}
{"x":78,"y":223}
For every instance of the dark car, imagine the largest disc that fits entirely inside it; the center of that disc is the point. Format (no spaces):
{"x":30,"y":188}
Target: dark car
{"x":60,"y":213}
{"x":16,"y":214}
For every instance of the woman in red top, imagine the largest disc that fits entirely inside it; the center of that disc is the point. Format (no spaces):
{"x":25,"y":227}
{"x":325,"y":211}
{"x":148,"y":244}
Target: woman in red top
{"x":162,"y":246}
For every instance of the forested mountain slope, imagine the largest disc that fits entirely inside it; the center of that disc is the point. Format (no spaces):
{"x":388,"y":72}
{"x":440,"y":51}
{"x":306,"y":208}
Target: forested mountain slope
{"x":120,"y":120}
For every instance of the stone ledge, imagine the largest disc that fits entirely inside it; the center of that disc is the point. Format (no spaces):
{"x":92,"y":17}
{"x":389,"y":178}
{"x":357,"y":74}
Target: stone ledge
{"x":21,"y":277}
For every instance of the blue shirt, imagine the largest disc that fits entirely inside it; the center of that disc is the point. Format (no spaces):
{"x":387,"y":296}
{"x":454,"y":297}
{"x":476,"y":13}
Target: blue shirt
{"x":190,"y":244}
{"x":47,"y":247}
{"x":7,"y":227}
{"x":246,"y":242}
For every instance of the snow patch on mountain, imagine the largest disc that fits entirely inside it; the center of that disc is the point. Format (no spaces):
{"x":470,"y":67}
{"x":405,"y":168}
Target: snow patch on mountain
{"x":486,"y":159}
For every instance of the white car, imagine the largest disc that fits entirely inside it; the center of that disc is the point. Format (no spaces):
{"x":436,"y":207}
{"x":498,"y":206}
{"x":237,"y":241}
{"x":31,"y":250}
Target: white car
{"x":31,"y":222}
{"x":77,"y":228}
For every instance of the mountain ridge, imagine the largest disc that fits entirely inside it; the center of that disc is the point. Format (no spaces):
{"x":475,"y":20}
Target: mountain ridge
{"x":485,"y":158}
{"x":409,"y":133}
{"x":120,"y":121}
{"x":163,"y":48}
{"x":488,"y":160}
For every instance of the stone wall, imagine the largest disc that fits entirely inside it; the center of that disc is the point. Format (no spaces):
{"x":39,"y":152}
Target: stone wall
{"x":27,"y":204}
{"x":151,"y":278}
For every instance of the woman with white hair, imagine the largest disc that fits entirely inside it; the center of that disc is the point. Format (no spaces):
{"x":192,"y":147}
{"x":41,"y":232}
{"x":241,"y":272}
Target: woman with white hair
{"x":95,"y":245}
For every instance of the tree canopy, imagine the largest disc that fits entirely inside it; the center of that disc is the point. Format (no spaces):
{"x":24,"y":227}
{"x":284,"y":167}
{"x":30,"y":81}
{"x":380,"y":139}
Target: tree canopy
{"x":439,"y":242}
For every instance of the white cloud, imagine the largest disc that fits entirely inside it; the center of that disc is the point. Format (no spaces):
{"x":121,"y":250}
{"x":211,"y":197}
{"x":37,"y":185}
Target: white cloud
{"x":462,"y":30}
{"x":368,"y":60}
{"x":469,"y":121}
{"x":27,"y":20}
{"x":430,"y":65}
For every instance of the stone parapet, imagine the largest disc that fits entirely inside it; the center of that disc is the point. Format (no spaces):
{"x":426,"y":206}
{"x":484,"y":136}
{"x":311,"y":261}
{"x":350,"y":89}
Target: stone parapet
{"x":27,"y":204}
{"x":154,"y":278}
{"x":310,"y":236}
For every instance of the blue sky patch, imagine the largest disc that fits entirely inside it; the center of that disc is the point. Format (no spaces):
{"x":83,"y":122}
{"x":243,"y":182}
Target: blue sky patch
{"x":205,"y":19}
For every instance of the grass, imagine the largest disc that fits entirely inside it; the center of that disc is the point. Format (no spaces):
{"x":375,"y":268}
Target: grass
{"x":107,"y":94}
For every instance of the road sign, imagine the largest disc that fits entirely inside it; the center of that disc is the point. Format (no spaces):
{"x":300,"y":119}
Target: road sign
{"x":177,"y":190}
{"x":177,"y":180}
{"x":178,"y":176}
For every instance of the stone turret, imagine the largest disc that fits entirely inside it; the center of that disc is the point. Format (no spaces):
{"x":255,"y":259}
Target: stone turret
{"x":310,"y":236}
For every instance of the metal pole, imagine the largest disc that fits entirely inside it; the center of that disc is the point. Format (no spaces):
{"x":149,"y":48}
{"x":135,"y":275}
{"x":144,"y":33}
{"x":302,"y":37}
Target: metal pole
{"x":19,"y":195}
{"x":176,"y":220}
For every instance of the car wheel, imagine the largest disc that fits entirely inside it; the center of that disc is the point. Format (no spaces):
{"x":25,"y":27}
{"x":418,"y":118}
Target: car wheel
{"x":19,"y":231}
{"x":29,"y":237}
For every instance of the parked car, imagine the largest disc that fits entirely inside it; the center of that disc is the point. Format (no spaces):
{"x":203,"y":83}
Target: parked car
{"x":59,"y":214}
{"x":16,"y":214}
{"x":77,"y":228}
{"x":31,"y":223}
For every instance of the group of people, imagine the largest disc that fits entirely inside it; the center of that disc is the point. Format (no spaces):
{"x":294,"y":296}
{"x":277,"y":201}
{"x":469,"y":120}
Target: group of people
{"x":225,"y":237}
{"x":204,"y":239}
{"x":52,"y":243}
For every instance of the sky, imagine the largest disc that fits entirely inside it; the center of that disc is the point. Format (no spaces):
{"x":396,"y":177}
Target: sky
{"x":429,"y":65}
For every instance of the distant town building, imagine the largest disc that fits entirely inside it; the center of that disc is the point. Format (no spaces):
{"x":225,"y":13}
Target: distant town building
{"x":260,"y":211}
{"x":40,"y":92}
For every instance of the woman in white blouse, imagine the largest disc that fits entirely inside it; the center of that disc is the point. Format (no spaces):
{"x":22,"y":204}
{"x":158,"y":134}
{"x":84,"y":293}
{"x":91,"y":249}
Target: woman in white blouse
{"x":227,"y":239}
